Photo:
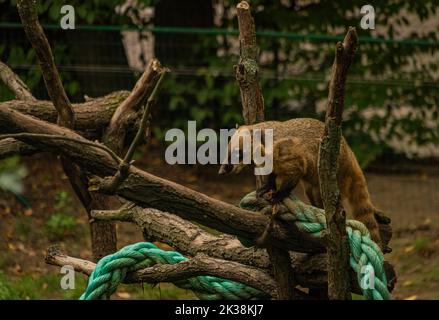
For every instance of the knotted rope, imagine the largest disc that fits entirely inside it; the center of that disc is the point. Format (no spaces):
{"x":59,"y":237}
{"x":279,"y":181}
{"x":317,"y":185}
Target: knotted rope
{"x":112,"y":269}
{"x":366,"y":257}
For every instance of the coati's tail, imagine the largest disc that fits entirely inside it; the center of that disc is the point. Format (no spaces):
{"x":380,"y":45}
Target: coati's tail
{"x":361,"y":205}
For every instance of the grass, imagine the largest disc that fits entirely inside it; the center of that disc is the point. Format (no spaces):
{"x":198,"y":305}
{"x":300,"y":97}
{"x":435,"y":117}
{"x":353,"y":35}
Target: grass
{"x":47,"y":286}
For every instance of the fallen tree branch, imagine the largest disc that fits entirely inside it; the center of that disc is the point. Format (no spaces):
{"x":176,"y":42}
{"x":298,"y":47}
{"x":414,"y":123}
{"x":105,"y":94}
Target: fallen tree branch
{"x":15,"y":84}
{"x":199,"y":265}
{"x":337,"y":240}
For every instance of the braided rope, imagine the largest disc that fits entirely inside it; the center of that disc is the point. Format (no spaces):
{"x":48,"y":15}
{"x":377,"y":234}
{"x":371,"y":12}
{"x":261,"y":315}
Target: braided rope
{"x":112,"y":269}
{"x":365,"y":255}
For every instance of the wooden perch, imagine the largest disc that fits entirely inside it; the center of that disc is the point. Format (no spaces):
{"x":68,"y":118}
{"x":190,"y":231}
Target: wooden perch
{"x":337,"y":240}
{"x":15,"y":84}
{"x":189,"y":239}
{"x":149,"y":190}
{"x":199,"y":265}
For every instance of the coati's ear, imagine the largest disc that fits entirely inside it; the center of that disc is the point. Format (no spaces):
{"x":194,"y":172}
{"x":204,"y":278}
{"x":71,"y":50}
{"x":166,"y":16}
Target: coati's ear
{"x":236,"y":126}
{"x":285,"y":146}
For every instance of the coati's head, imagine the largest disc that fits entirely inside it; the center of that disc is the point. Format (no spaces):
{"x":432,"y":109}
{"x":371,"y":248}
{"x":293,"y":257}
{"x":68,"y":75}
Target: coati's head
{"x":246,"y":147}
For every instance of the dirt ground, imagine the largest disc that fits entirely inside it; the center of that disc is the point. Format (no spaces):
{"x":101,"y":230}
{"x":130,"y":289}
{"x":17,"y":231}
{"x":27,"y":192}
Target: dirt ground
{"x":410,"y":200}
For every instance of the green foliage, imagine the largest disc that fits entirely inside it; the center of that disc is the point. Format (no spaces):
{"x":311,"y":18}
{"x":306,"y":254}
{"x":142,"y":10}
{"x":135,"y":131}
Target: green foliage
{"x":384,"y":78}
{"x":12,"y":173}
{"x":422,"y":243}
{"x":62,"y":223}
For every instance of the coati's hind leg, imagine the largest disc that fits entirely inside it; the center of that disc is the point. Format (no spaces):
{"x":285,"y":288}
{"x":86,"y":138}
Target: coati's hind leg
{"x":313,"y":195}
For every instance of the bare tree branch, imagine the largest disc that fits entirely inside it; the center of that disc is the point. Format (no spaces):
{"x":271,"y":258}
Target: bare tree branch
{"x":115,"y":134}
{"x":11,"y":147}
{"x":247,"y":71}
{"x":111,"y":184}
{"x":15,"y":84}
{"x":337,"y":246}
{"x":38,"y":40}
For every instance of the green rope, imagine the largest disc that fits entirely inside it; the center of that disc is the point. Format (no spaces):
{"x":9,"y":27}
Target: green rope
{"x":365,"y":255}
{"x":112,"y":269}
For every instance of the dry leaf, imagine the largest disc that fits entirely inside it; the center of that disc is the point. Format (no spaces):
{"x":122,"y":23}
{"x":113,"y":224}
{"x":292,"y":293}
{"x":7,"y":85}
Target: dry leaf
{"x":407,"y":283}
{"x":123,"y":295}
{"x":409,"y":249}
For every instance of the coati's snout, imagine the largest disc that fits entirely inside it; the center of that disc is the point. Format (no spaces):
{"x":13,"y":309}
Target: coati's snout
{"x":225,"y":169}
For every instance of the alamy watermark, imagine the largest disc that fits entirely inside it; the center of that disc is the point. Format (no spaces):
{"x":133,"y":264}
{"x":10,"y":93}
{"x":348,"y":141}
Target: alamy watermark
{"x":68,"y":280}
{"x":246,"y":146}
{"x":368,"y":19}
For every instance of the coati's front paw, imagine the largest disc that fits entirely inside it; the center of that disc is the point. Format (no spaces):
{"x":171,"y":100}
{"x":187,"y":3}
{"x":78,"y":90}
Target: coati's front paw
{"x":277,"y":197}
{"x":264,"y":193}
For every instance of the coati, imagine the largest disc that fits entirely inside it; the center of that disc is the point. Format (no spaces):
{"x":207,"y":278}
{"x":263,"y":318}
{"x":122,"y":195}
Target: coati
{"x":295,"y":159}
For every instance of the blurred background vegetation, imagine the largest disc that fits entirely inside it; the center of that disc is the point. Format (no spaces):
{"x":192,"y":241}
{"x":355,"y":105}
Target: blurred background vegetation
{"x":392,"y":92}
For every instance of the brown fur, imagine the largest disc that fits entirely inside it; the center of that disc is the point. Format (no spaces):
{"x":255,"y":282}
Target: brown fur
{"x":295,"y":157}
